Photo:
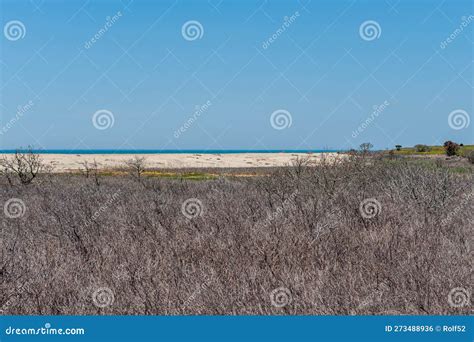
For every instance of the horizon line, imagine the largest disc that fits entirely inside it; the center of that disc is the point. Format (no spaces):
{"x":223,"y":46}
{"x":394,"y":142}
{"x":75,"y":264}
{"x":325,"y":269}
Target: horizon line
{"x":167,"y":151}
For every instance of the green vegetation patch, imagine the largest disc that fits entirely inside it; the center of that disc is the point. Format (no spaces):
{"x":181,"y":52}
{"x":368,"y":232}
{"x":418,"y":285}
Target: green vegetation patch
{"x":177,"y":175}
{"x":433,"y":150}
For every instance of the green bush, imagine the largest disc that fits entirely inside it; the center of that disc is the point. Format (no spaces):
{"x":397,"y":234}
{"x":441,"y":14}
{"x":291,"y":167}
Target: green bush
{"x":422,"y":148}
{"x":451,"y":148}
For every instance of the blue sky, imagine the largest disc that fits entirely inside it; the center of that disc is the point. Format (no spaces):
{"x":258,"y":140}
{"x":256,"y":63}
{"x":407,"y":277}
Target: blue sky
{"x":330,"y":83}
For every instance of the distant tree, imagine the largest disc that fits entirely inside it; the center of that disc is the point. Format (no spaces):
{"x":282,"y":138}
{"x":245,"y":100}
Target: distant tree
{"x":136,"y":166}
{"x":451,"y":148}
{"x":365,"y":147}
{"x":398,"y":147}
{"x":25,"y":165}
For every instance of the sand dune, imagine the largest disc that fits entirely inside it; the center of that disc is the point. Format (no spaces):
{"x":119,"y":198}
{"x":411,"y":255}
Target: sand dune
{"x":72,"y":162}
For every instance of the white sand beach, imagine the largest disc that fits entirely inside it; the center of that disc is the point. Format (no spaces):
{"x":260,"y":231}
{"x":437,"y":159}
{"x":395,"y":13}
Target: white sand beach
{"x":72,"y":162}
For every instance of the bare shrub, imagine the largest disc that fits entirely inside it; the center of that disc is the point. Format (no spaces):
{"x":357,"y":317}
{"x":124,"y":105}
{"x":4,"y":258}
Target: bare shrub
{"x":136,"y":166}
{"x":87,"y":168}
{"x":24,"y":165}
{"x":91,"y":170}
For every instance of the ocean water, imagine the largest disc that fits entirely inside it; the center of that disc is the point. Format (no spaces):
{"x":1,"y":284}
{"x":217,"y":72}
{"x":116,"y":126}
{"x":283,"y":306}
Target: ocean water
{"x":110,"y":151}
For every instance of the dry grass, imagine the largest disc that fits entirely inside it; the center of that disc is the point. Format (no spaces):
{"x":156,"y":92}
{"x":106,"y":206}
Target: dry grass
{"x":294,"y":242}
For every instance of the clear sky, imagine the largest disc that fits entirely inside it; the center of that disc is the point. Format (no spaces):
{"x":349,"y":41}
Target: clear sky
{"x":210,"y":74}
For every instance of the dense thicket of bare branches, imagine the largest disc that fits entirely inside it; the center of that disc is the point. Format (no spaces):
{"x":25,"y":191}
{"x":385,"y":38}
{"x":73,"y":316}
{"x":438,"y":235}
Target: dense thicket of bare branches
{"x":360,"y":237}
